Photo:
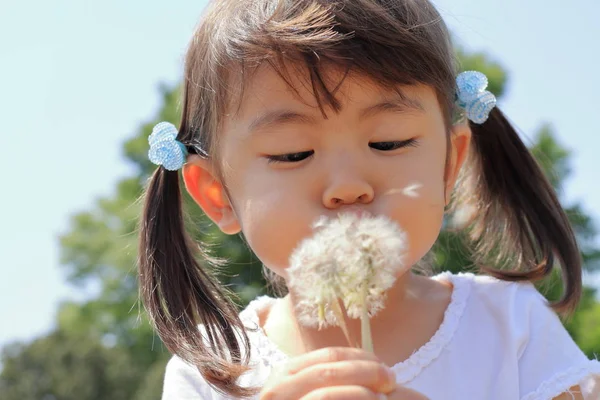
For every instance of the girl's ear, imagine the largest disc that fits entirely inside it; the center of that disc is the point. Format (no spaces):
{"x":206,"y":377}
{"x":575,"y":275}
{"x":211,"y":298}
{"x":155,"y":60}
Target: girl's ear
{"x":208,"y":192}
{"x":460,"y":143}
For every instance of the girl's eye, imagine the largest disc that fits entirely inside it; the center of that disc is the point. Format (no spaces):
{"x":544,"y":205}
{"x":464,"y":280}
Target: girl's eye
{"x":303,"y":155}
{"x":290,"y":158}
{"x":389,"y":146}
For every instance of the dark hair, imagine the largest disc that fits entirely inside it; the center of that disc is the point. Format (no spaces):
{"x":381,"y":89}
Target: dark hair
{"x":395,"y":42}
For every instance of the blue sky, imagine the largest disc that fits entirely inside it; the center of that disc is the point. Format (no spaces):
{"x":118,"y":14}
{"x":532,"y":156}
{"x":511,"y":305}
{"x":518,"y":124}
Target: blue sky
{"x":78,"y":77}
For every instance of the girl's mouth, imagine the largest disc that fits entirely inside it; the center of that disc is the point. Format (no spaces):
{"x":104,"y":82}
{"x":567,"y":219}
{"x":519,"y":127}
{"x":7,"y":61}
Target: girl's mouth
{"x":353,"y":210}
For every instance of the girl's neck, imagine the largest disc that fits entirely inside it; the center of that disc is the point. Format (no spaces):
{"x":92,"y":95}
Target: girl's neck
{"x":414,"y":309}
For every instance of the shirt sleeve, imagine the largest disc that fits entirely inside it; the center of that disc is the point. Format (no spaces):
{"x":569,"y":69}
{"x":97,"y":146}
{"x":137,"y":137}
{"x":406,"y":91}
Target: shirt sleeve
{"x":184,"y":382}
{"x":550,"y":362}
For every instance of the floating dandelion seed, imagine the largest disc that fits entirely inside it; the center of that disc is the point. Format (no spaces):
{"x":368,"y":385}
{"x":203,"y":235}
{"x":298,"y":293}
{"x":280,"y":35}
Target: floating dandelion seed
{"x":351,"y":259}
{"x":411,"y":190}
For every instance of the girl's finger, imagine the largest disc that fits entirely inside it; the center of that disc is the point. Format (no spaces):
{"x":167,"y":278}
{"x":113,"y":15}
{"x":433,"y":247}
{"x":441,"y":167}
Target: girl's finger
{"x":402,"y":393}
{"x":371,"y":375}
{"x":344,"y":393}
{"x":328,"y":355}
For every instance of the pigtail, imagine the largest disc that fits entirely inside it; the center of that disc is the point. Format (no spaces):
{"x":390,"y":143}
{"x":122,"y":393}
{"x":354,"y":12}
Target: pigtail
{"x":179,"y":294}
{"x":519,"y":226}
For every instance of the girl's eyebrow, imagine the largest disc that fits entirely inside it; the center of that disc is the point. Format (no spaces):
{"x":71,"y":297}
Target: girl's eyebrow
{"x":400,"y":104}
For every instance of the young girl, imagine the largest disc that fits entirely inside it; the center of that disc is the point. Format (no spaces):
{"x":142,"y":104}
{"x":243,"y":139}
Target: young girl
{"x":296,"y":109}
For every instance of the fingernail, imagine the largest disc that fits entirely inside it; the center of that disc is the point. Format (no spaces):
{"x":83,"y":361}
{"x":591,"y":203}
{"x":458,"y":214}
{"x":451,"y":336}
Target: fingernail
{"x":382,"y":396}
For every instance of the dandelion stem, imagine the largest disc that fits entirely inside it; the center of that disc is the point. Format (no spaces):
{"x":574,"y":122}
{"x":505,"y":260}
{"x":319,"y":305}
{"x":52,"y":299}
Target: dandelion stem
{"x":339,"y":315}
{"x":365,"y":324}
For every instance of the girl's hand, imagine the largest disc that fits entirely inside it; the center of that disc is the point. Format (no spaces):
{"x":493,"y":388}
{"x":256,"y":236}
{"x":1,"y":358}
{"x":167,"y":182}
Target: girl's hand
{"x":336,"y":373}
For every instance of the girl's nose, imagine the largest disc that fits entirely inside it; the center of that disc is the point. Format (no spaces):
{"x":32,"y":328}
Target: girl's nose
{"x":346,"y":191}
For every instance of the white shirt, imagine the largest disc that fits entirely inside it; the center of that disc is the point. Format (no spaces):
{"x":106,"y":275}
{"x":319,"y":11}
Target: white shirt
{"x":498,"y":341}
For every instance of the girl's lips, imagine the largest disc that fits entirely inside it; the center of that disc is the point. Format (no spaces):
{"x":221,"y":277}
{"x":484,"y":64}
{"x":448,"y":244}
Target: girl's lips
{"x":359,"y":212}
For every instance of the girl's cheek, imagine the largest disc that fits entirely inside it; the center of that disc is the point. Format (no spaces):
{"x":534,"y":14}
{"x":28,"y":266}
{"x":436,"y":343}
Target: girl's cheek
{"x":273,"y":223}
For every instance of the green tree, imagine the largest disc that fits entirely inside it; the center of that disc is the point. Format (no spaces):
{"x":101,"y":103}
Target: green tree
{"x":68,"y":368}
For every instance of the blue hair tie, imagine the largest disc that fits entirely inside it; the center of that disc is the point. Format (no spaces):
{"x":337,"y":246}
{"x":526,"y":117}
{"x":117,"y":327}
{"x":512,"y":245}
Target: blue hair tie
{"x":165,"y":150}
{"x":472,"y":96}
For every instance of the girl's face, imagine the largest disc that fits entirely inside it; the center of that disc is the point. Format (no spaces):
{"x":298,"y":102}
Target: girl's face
{"x":285,"y":165}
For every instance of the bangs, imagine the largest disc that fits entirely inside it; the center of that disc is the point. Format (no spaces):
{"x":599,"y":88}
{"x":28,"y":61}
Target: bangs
{"x":388,"y":44}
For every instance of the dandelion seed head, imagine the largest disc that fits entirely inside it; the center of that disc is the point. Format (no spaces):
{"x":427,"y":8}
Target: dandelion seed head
{"x":346,"y":257}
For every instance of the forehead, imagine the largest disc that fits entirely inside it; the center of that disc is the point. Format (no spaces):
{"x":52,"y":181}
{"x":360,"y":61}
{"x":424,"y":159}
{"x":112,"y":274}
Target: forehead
{"x":266,"y":95}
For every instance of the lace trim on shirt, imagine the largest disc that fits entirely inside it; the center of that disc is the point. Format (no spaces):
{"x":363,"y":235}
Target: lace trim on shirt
{"x":407,"y":370}
{"x":560,"y":383}
{"x":265,"y":349}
